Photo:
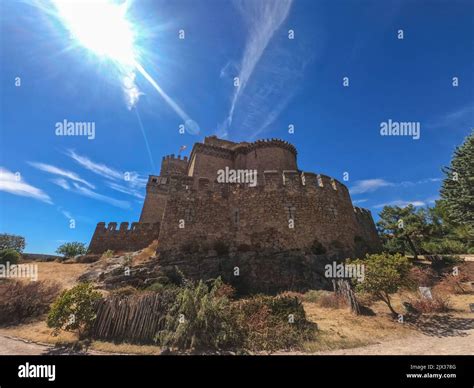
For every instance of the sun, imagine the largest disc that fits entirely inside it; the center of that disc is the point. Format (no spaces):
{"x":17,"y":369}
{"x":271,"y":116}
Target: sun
{"x":100,"y":26}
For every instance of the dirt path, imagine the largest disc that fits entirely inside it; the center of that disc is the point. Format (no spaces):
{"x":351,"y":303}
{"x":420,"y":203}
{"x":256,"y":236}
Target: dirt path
{"x":13,"y":346}
{"x":420,"y":344}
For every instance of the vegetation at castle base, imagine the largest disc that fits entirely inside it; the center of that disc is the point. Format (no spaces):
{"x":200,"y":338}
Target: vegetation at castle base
{"x":74,"y":309}
{"x":21,"y":301}
{"x":11,"y":241}
{"x":9,"y":256}
{"x":201,"y":318}
{"x":72,"y":249}
{"x":275,"y":323}
{"x":457,"y":190}
{"x":385,"y":274}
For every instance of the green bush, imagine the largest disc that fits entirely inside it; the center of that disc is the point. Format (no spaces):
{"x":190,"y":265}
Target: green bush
{"x":74,"y":309}
{"x":200,"y":318}
{"x":11,"y":241}
{"x":72,"y":249}
{"x":9,"y":255}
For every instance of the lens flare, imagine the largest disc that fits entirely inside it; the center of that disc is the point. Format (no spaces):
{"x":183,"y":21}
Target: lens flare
{"x":100,"y":26}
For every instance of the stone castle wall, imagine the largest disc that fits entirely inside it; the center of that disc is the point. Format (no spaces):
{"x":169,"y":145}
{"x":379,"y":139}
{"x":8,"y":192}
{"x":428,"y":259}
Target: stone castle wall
{"x":126,"y":239}
{"x":200,"y":214}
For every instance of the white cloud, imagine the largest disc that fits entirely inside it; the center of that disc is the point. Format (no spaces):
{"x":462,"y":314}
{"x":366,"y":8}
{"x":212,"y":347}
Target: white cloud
{"x":61,"y":183}
{"x":100,"y":197}
{"x":369,"y":185}
{"x":400,"y":203}
{"x":125,"y":190}
{"x":10,"y":183}
{"x":97,"y":168}
{"x":262,"y":19}
{"x":356,"y":202}
{"x":58,"y":171}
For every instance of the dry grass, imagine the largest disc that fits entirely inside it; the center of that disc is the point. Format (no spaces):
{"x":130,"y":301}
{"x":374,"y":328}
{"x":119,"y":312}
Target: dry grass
{"x":146,"y":253}
{"x":65,"y":274}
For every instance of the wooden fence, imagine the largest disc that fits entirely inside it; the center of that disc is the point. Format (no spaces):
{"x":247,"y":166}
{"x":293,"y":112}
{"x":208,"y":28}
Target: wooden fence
{"x":134,"y":319}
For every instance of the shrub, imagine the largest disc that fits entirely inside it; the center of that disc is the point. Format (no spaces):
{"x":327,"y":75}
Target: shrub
{"x":312,"y":296}
{"x":71,"y":249}
{"x":11,"y":241}
{"x":9,"y":255}
{"x":317,"y":248}
{"x":273,"y":323}
{"x":470,"y":251}
{"x":20,"y":301}
{"x":385,"y":274}
{"x":438,"y":304}
{"x":108,"y":254}
{"x":74,"y":309}
{"x":453,"y":284}
{"x":421,"y":277}
{"x":201,"y":319}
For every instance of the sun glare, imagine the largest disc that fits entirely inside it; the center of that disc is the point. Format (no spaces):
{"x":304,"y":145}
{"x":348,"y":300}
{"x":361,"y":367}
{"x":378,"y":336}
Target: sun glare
{"x":101,"y":26}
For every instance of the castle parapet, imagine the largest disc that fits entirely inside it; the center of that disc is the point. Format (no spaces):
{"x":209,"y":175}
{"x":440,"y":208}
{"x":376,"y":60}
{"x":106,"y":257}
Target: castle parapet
{"x":126,"y":239}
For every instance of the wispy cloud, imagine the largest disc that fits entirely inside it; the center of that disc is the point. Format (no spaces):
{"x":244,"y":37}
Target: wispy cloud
{"x":462,"y":119}
{"x":60,"y":172}
{"x":400,"y":203}
{"x":125,"y":190}
{"x":358,"y":201}
{"x":263,"y":93}
{"x":61,"y":183}
{"x":370,"y":185}
{"x":10,"y":183}
{"x":130,"y":178}
{"x":96,"y":168}
{"x":100,"y":197}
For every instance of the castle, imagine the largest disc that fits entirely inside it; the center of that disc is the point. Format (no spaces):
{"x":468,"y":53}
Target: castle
{"x":206,"y":205}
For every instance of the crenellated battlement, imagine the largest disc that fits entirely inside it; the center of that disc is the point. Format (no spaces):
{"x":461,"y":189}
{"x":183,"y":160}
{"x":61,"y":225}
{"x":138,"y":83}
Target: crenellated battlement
{"x":124,"y":238}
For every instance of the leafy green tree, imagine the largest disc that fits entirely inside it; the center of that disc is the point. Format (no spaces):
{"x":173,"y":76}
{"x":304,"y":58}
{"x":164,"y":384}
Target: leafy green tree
{"x":458,"y":186}
{"x":403,"y":227}
{"x":12,"y":241}
{"x":384,"y":274}
{"x":74,"y":309}
{"x":72,"y":249}
{"x":9,"y":255}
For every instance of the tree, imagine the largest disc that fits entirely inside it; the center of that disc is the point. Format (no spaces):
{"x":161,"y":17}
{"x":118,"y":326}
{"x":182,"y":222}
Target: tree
{"x":12,"y":241}
{"x":74,"y":309}
{"x":72,"y":249}
{"x":384,"y":274}
{"x":9,"y":256}
{"x":458,"y":186}
{"x":400,"y":227}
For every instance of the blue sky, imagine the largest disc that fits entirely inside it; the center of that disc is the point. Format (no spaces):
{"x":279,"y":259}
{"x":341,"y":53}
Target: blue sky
{"x":282,"y":82}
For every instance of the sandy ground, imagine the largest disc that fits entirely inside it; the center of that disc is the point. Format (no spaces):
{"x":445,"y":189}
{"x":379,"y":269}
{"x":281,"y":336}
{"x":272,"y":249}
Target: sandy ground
{"x":416,"y":345}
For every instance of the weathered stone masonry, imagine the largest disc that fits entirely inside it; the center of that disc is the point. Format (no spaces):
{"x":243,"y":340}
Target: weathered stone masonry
{"x":189,"y":212}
